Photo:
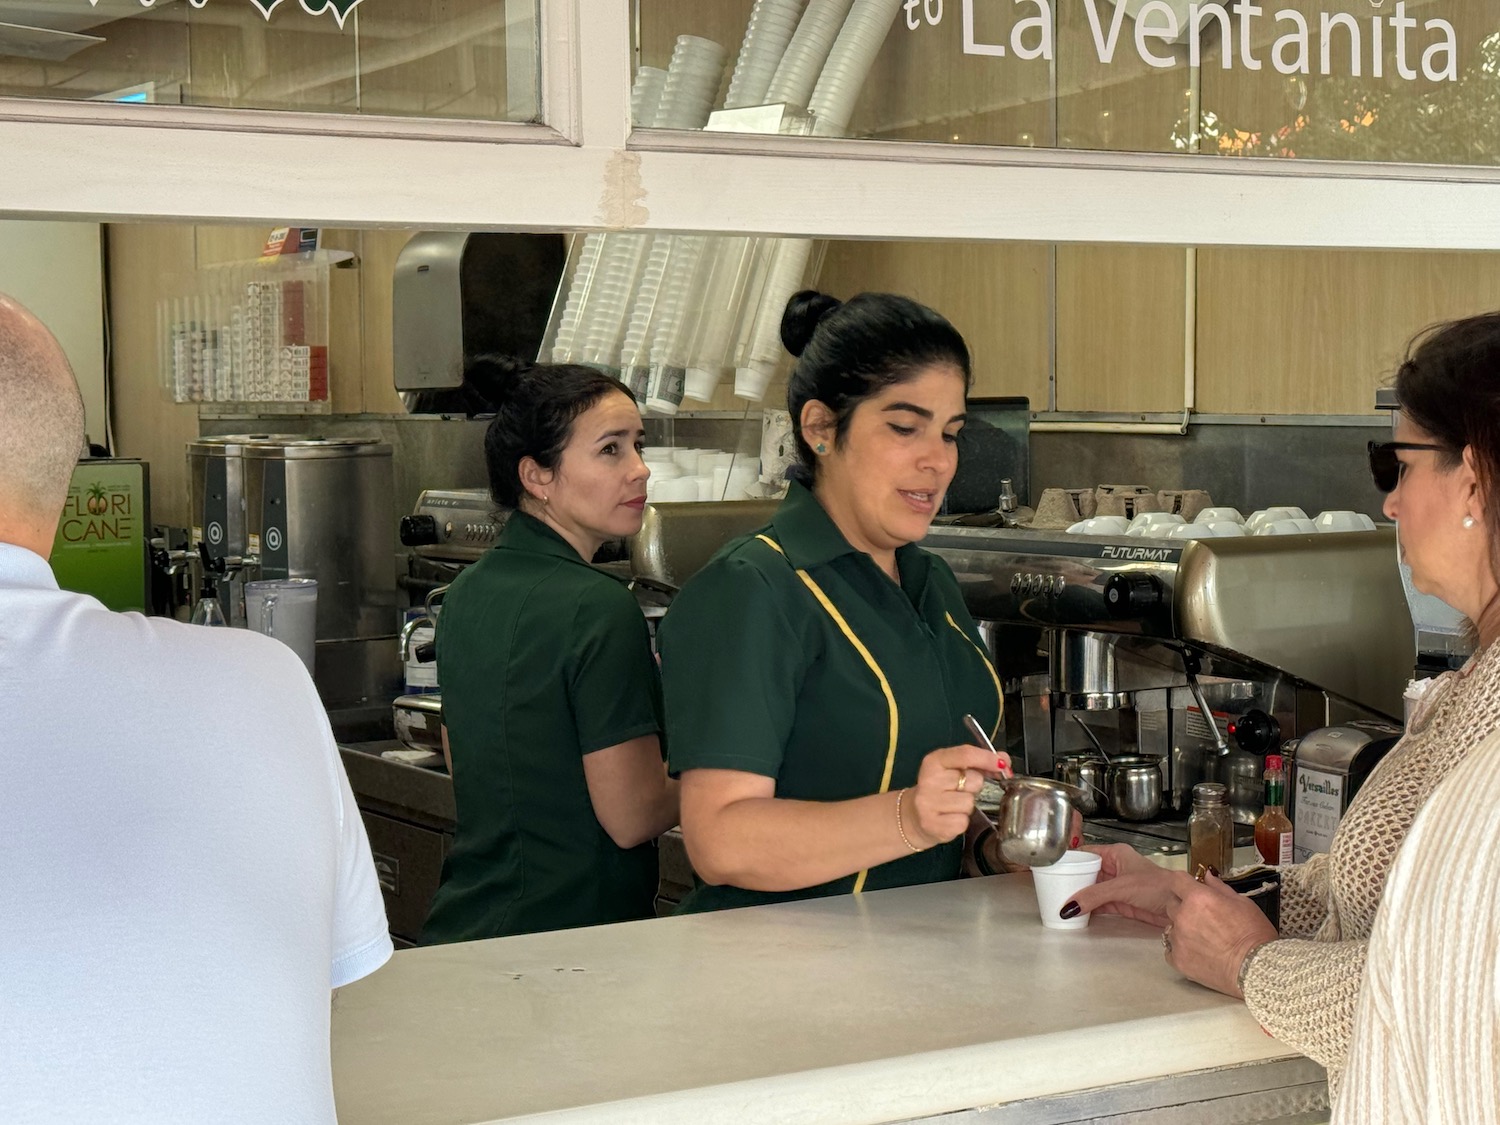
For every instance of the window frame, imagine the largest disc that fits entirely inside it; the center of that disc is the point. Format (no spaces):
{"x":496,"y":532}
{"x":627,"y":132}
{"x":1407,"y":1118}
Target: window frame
{"x":583,"y":168}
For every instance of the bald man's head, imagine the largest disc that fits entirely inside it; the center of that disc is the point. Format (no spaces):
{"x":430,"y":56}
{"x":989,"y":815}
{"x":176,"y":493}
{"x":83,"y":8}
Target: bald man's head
{"x":41,"y":423}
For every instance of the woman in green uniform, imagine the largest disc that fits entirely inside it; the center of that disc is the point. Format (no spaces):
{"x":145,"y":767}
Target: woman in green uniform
{"x":817,"y":672}
{"x":551,"y":700}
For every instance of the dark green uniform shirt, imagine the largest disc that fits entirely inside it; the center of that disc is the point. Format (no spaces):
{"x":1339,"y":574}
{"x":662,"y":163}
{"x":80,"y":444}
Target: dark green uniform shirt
{"x":542,"y":659}
{"x":793,"y":656}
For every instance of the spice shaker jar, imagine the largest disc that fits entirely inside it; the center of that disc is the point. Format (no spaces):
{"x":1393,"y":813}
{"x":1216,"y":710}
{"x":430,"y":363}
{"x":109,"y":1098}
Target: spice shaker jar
{"x":1210,"y":830}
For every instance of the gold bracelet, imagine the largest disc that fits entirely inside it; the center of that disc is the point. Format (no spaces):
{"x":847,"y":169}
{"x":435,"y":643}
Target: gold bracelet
{"x":900,"y":793}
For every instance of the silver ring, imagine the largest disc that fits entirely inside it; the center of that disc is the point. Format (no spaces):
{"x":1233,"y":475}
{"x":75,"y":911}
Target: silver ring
{"x":1166,"y":939}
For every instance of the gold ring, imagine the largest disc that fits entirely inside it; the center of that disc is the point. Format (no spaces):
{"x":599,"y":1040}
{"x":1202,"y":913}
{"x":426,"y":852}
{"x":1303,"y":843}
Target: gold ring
{"x":963,"y":779}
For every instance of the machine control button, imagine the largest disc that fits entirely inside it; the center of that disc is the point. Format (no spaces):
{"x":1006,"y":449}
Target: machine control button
{"x":418,"y":531}
{"x":1131,"y":595}
{"x":1256,"y":732}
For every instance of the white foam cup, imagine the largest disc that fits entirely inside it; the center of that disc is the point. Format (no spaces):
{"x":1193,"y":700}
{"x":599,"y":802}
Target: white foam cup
{"x":750,"y":381}
{"x":1056,"y":884}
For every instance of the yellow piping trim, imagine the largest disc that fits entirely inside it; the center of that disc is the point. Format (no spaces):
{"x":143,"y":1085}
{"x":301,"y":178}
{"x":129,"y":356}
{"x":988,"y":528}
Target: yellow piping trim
{"x":989,"y":667}
{"x":894,"y":720}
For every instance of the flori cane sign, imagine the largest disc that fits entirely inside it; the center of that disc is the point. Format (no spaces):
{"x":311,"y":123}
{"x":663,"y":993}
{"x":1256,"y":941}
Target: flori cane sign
{"x":339,"y":9}
{"x":1158,"y":30}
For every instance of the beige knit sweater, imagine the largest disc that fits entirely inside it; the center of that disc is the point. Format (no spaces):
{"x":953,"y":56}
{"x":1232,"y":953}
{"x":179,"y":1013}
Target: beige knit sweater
{"x":1303,"y":987}
{"x":1427,"y":1035}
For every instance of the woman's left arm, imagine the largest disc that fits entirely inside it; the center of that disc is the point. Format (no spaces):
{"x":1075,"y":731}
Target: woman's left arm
{"x":1302,"y":992}
{"x":1305,"y":993}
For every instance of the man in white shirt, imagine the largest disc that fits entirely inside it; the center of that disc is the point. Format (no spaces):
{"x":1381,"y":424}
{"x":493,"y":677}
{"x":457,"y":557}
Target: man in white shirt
{"x":1427,"y":1030}
{"x":184,"y":876}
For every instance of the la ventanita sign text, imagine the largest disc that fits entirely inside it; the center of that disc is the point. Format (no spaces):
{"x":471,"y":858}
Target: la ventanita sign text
{"x":1338,"y":42}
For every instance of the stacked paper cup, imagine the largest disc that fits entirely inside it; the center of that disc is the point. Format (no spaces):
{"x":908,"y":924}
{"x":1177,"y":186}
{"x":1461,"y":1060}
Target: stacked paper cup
{"x":771,"y":26}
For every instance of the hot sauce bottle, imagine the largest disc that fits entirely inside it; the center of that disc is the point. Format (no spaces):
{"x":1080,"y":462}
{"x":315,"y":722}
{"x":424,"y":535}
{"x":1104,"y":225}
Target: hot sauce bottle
{"x":1273,"y":831}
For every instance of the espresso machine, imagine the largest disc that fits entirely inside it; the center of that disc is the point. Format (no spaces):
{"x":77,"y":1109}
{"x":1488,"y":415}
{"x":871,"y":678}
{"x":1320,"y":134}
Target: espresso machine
{"x":1204,"y":655}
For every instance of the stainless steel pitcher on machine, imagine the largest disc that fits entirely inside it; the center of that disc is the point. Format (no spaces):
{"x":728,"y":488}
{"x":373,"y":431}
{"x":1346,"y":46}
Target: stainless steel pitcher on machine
{"x":1201,"y":655}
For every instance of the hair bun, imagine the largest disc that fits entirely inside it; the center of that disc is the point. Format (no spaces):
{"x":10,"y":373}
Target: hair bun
{"x":800,"y":320}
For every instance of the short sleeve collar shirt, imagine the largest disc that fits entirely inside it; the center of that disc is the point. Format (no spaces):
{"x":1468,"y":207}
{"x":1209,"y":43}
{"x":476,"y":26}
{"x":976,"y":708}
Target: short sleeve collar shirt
{"x":793,"y":656}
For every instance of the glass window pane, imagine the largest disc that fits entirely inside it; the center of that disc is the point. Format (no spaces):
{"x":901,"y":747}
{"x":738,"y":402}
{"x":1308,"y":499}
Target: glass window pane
{"x":467,"y":59}
{"x":1410,"y":82}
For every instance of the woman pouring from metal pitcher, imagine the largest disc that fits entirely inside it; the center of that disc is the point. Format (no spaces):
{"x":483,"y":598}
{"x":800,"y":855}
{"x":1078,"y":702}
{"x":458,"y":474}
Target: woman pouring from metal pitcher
{"x":817,"y":672}
{"x":551,"y":701}
{"x":1440,"y":476}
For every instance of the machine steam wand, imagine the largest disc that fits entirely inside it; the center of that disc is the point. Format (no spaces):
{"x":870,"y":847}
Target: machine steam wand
{"x":1190,"y":665}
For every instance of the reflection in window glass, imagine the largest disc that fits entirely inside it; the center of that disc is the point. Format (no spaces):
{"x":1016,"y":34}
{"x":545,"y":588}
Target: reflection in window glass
{"x":1410,"y":81}
{"x":470,"y":59}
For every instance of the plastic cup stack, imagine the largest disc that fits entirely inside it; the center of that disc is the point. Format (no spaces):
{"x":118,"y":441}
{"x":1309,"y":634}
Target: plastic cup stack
{"x":693,"y":78}
{"x":620,"y":268}
{"x":798,"y":71}
{"x":667,"y":364}
{"x":849,"y":63}
{"x":645,"y":95}
{"x":770,"y":29}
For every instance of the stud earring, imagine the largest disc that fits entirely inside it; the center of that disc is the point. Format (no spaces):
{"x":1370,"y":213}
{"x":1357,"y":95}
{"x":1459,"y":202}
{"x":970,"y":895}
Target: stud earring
{"x":821,"y":448}
{"x":1469,"y":522}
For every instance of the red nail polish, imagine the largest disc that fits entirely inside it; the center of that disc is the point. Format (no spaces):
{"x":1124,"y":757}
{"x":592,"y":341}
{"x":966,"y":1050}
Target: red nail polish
{"x":1076,"y":841}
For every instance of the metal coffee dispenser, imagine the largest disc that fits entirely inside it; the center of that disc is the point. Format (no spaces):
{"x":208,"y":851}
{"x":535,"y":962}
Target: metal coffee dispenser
{"x":1203,"y":654}
{"x":216,"y":497}
{"x":284,"y":506}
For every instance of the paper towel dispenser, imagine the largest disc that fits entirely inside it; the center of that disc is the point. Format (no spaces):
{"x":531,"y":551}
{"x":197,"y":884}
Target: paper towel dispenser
{"x":458,"y":295}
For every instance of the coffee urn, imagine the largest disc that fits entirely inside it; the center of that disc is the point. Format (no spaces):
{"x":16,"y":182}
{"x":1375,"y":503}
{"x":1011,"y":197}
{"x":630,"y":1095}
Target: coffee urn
{"x":216,"y":497}
{"x":321,"y":508}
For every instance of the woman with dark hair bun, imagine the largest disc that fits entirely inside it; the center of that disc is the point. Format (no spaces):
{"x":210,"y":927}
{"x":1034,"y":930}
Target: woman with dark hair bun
{"x":817,"y":672}
{"x":551,"y":700}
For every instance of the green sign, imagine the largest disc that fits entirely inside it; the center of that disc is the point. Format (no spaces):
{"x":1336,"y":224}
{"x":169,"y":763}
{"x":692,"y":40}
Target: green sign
{"x":101,"y":544}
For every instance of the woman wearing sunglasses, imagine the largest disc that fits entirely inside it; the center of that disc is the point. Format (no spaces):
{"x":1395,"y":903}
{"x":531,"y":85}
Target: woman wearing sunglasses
{"x":1440,"y":475}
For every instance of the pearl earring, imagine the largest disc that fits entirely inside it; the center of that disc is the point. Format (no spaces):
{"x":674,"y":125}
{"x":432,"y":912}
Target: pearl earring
{"x":1469,"y":522}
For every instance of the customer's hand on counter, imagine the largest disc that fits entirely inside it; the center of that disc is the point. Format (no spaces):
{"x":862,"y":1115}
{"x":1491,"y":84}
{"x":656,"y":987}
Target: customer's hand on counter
{"x":1129,"y":885}
{"x":1211,"y":930}
{"x":1207,"y":929}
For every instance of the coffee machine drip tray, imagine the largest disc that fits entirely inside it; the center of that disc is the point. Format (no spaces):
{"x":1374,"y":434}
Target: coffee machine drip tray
{"x":1159,"y":837}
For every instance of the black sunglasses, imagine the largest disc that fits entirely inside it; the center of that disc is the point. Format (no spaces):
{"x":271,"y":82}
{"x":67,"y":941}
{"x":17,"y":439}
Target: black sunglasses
{"x":1385,"y":466}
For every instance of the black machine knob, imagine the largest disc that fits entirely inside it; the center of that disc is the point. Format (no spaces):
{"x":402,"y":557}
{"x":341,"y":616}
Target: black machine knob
{"x":1131,"y":595}
{"x":419,"y":531}
{"x":1256,"y":732}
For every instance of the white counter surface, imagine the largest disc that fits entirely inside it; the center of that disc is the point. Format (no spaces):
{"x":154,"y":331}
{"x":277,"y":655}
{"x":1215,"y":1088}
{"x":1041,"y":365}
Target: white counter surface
{"x":870,"y":1008}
